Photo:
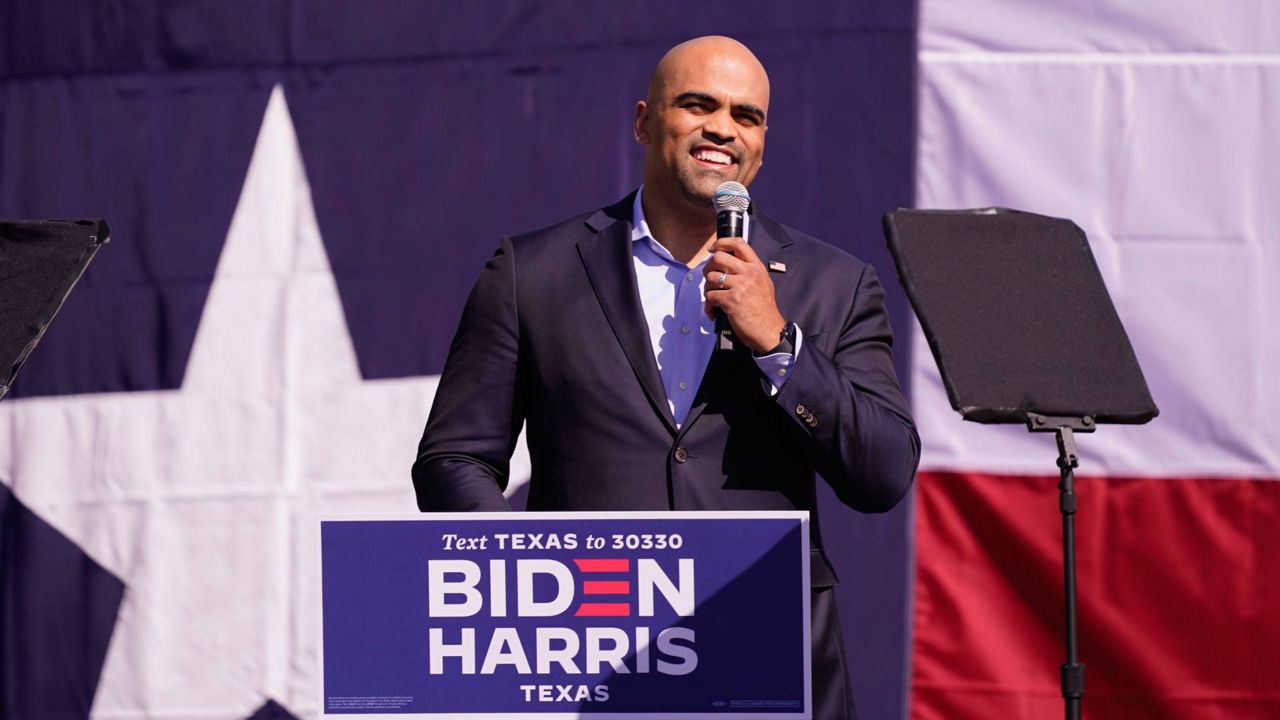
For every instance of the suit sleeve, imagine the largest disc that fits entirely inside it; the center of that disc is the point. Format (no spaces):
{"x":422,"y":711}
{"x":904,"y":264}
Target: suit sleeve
{"x":848,"y":411}
{"x":464,"y":457}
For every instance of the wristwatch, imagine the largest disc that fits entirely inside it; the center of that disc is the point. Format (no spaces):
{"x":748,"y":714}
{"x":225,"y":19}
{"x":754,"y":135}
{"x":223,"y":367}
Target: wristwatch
{"x":786,"y":341}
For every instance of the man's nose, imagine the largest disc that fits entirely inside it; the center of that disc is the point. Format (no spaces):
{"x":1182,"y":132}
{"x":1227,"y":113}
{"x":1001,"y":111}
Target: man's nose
{"x":719,"y":127}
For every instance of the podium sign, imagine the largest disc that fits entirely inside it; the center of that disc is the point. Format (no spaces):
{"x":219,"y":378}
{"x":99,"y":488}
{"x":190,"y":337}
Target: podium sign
{"x":566,"y":615}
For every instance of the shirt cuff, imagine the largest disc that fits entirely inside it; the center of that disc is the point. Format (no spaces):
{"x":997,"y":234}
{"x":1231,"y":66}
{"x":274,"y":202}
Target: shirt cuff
{"x":779,"y":366}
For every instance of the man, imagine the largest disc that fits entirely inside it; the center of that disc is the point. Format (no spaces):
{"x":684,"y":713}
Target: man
{"x":597,"y":333}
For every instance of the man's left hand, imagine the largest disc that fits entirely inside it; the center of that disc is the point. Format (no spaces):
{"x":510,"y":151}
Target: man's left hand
{"x":744,"y":292}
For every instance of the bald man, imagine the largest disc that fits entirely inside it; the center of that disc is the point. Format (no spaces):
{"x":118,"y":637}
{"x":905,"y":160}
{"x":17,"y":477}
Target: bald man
{"x":597,"y":335}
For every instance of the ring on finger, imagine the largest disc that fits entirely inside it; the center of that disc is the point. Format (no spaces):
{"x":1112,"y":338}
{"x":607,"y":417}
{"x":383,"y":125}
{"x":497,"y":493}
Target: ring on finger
{"x":723,"y":275}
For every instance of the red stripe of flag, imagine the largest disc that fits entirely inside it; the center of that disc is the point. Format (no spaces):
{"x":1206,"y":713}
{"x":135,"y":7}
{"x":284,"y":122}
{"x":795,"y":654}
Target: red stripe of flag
{"x":1179,"y":580}
{"x":606,"y":587}
{"x":599,"y":565}
{"x":604,"y":610}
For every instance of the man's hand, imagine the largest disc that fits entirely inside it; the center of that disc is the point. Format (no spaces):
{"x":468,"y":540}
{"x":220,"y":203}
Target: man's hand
{"x":744,"y":292}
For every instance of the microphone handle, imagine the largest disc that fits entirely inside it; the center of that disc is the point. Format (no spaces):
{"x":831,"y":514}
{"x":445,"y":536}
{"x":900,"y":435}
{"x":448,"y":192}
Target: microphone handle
{"x":728,"y":224}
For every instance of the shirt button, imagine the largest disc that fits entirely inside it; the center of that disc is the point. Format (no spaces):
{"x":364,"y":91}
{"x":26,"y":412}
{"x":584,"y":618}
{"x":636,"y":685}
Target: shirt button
{"x":688,"y":277}
{"x":800,"y":410}
{"x":684,"y":329}
{"x":681,"y":455}
{"x":684,"y":385}
{"x":782,"y":372}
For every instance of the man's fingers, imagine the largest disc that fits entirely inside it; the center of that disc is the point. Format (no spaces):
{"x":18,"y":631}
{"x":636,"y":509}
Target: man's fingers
{"x":738,"y":247}
{"x":726,"y":263}
{"x":744,"y":291}
{"x":709,"y":306}
{"x":730,"y":244}
{"x":717,"y":297}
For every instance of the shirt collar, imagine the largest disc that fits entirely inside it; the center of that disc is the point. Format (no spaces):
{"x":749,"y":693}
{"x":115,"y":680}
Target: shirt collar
{"x":640,"y":227}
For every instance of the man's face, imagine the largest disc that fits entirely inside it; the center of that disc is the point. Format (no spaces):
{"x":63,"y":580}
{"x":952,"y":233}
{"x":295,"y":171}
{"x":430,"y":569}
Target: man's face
{"x":704,"y":124}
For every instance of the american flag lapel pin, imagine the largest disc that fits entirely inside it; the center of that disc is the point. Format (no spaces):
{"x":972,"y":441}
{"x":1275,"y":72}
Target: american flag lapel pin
{"x":775,"y":266}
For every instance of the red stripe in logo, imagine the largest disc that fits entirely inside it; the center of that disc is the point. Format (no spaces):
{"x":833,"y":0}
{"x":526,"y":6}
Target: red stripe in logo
{"x":601,"y":565}
{"x":606,"y":587}
{"x":604,"y":610}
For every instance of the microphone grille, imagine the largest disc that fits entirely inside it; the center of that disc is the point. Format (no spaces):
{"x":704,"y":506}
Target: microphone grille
{"x":731,"y":196}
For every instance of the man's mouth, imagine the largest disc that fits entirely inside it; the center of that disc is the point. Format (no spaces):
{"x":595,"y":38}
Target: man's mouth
{"x":712,"y":156}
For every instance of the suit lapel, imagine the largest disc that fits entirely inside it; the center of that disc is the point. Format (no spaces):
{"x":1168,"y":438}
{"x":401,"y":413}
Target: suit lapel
{"x":769,"y":241}
{"x":607,"y":256}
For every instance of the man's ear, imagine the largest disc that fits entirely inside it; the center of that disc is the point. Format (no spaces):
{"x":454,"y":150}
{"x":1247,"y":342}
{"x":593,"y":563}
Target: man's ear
{"x":642,"y":122}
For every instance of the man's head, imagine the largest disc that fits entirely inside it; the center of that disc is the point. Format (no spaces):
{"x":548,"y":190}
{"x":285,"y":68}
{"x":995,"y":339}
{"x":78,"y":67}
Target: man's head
{"x":703,"y":121}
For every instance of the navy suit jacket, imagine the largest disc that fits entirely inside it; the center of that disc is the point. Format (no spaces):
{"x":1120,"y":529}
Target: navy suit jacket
{"x":553,"y":336}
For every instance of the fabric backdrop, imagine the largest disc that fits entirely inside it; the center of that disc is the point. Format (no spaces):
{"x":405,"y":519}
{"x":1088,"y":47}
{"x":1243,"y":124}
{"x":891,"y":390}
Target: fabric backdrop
{"x":1152,"y":125}
{"x":301,"y":194}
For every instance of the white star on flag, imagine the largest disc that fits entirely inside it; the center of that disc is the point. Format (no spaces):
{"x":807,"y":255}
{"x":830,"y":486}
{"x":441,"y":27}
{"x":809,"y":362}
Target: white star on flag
{"x":204,"y":500}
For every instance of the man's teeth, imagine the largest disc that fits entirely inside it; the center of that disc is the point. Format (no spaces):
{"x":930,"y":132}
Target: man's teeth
{"x":713,"y":156}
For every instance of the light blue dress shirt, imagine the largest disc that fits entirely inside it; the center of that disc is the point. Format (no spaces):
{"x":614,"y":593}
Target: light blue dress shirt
{"x":681,"y":335}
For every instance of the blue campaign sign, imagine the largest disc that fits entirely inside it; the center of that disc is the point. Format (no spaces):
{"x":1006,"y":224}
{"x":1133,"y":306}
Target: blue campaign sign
{"x":566,"y":615}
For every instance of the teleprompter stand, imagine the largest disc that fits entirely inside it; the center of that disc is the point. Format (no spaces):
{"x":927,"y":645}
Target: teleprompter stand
{"x":40,"y":263}
{"x":1023,"y":330}
{"x":1072,"y":670}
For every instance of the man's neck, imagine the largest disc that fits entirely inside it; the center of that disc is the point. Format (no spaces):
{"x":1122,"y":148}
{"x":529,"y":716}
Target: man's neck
{"x":685,"y":232}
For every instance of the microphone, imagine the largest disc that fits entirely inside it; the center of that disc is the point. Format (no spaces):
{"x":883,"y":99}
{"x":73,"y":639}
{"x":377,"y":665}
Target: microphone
{"x":731,"y":201}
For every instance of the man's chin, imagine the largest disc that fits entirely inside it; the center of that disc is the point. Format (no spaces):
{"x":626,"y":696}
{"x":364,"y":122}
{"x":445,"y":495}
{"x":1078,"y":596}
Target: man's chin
{"x":701,"y":188}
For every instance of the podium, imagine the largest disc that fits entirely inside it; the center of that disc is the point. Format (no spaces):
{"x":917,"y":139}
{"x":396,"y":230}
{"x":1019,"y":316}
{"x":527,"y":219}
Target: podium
{"x":567,"y":615}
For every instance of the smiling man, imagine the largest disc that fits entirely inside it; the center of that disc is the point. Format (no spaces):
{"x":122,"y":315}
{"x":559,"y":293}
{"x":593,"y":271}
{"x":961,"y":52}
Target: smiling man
{"x":596,"y":334}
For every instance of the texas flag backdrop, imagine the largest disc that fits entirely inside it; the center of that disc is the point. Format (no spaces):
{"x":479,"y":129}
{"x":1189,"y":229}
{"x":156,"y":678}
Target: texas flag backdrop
{"x":1153,"y":126}
{"x":301,"y":193}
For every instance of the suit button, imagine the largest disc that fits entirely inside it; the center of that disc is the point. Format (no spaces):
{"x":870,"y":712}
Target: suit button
{"x":800,"y":410}
{"x":681,"y":455}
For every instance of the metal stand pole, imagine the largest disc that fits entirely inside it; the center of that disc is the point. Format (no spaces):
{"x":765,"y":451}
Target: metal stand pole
{"x":1072,"y":669}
